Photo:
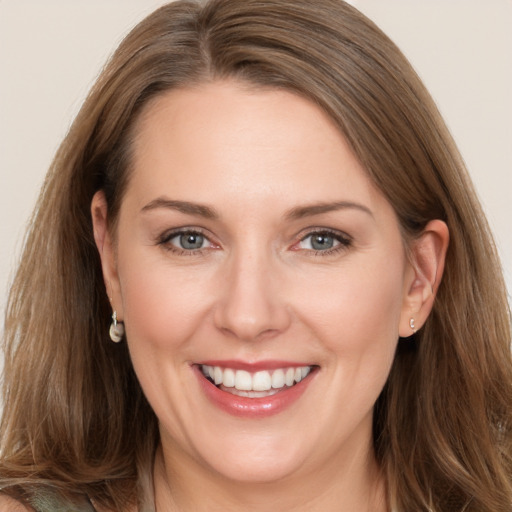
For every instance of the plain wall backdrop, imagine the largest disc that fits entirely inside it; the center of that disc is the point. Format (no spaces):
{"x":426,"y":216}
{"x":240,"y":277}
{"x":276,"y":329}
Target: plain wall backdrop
{"x":52,"y":50}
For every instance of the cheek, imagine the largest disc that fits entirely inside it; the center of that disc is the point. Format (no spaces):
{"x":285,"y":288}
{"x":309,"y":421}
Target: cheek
{"x":356,"y":308}
{"x":356,"y":316}
{"x":162,"y":305}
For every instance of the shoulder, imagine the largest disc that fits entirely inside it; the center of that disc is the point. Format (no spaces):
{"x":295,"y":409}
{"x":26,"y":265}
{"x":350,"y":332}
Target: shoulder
{"x":8,"y":504}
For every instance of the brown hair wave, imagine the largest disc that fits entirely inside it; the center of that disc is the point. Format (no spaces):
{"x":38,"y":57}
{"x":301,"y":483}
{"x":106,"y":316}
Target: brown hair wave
{"x":75,"y":418}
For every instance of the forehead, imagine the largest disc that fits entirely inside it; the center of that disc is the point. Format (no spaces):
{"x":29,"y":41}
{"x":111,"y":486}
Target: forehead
{"x":225,"y":141}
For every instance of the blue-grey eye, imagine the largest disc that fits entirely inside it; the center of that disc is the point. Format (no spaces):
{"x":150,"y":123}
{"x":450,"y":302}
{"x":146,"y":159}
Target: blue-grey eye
{"x":189,"y":241}
{"x":319,"y":242}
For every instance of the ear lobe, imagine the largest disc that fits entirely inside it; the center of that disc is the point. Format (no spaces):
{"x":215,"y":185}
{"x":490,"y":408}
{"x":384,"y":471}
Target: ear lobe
{"x":105,"y":246}
{"x":427,"y":258}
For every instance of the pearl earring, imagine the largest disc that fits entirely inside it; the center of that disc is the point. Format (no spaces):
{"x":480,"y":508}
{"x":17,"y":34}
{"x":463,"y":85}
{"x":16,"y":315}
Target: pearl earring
{"x":412,"y":326}
{"x":116,"y":330}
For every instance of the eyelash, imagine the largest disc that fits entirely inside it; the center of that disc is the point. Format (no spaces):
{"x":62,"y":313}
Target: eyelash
{"x":344,"y":242}
{"x":165,"y":239}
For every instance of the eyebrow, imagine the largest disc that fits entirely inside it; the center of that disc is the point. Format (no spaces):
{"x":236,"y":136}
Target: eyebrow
{"x":186,"y":207}
{"x":300,"y":212}
{"x":296,"y":213}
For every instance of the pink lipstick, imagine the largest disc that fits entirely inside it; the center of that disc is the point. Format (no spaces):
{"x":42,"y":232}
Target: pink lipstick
{"x":254,"y":390}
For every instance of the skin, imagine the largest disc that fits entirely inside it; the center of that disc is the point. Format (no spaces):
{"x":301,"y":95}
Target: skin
{"x":258,"y":290}
{"x":9,"y":504}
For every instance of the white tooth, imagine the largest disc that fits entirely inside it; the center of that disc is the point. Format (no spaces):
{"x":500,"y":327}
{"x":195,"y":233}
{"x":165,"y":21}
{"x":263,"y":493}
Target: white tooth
{"x":243,"y":380}
{"x":217,"y":375}
{"x":229,"y":378}
{"x":211,"y":372}
{"x":261,"y":381}
{"x":304,"y":371}
{"x":298,"y":375}
{"x":204,"y":369}
{"x":290,"y":376}
{"x":278,"y":379}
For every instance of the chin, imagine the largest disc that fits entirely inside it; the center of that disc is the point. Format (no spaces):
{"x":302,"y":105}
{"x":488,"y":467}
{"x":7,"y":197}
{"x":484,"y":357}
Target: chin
{"x":258,"y":460}
{"x":263,"y":471}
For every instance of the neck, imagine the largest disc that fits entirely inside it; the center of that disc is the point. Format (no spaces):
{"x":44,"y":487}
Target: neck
{"x":184,"y":485}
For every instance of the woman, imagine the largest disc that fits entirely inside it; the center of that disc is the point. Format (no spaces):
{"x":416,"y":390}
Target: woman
{"x":263,"y":203}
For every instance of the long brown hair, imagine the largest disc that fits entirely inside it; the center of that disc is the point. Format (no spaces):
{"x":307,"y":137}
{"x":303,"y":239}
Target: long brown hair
{"x":75,"y":418}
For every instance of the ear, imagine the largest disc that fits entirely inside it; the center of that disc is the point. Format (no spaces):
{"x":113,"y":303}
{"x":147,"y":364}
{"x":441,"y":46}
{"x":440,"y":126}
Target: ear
{"x":106,"y":249}
{"x":426,"y":266}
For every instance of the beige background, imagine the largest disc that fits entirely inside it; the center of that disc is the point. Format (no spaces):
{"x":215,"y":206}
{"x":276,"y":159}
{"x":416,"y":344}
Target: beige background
{"x":51,"y":51}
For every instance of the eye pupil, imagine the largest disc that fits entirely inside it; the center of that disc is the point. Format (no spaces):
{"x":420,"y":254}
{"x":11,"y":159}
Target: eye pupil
{"x":190,"y":241}
{"x":321,"y":242}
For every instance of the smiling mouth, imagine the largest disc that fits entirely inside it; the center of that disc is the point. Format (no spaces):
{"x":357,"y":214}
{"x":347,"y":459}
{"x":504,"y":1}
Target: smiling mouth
{"x":258,"y":384}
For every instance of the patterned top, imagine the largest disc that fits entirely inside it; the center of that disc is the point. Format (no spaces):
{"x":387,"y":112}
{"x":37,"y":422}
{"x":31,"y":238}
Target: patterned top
{"x":48,"y":500}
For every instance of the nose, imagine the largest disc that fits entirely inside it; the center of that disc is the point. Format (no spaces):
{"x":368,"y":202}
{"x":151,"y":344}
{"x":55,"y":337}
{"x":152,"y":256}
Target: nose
{"x":251,"y":304}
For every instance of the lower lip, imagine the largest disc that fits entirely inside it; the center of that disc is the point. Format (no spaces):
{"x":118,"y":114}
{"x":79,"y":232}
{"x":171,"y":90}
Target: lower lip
{"x":261,"y":407}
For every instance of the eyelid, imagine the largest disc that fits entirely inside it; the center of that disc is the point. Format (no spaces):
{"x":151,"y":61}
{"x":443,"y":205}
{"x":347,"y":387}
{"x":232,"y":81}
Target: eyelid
{"x":164,"y":240}
{"x":345,"y":240}
{"x":321,"y":230}
{"x":171,"y":233}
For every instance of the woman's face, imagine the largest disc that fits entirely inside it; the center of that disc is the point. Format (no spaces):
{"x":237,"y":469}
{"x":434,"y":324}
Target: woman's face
{"x":252,"y":247}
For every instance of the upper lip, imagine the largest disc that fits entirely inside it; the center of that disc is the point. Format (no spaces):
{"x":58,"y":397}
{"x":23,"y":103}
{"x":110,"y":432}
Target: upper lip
{"x":253,"y":366}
